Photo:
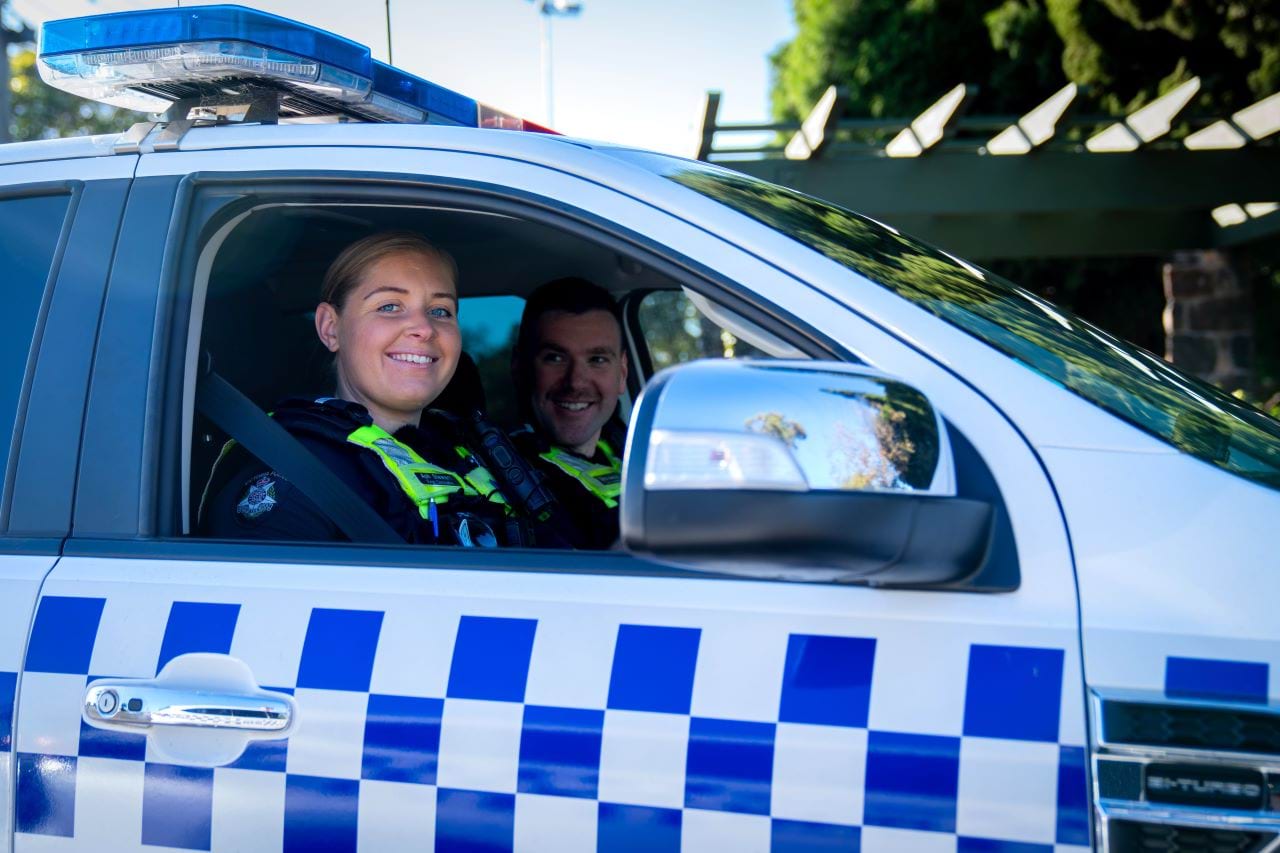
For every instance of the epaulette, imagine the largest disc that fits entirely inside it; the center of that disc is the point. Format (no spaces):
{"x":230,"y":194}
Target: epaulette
{"x":328,"y":416}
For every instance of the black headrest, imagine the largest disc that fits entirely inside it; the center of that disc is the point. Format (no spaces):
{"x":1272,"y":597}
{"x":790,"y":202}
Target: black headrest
{"x":465,"y":392}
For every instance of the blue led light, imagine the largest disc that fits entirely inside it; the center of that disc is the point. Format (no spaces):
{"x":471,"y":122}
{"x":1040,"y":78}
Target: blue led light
{"x":150,"y":27}
{"x":443,"y":106}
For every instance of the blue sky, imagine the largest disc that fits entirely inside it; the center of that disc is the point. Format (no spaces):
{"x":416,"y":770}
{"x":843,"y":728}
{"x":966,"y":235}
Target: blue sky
{"x":625,"y":71}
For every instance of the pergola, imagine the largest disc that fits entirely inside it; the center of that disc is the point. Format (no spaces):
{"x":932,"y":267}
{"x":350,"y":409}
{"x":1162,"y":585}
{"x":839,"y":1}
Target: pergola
{"x":1050,"y":184}
{"x":1047,"y":184}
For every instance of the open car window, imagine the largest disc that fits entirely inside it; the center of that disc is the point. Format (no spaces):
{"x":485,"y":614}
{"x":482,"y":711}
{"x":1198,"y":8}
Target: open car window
{"x":258,"y":279}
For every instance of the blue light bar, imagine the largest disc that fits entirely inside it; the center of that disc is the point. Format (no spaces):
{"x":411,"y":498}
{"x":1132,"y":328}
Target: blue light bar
{"x":218,"y":57}
{"x":441,"y":105}
{"x":156,"y":27}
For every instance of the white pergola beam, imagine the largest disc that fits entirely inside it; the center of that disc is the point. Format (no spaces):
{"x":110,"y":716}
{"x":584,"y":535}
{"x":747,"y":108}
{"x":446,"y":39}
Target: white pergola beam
{"x":1036,"y":127}
{"x":929,"y":127}
{"x":1252,"y":123}
{"x":1147,"y":124}
{"x":818,"y":128}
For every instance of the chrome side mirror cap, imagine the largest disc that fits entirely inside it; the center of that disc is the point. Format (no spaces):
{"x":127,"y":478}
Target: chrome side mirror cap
{"x":803,"y":470}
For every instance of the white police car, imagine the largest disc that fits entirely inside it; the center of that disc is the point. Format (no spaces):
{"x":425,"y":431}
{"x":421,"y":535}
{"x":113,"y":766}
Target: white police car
{"x":1020,"y":597}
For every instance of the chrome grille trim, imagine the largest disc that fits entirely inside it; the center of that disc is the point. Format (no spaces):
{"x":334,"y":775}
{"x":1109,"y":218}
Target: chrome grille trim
{"x":1106,"y":749}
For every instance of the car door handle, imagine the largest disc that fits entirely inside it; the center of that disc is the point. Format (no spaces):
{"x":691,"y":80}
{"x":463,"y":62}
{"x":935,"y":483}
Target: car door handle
{"x":141,"y":704}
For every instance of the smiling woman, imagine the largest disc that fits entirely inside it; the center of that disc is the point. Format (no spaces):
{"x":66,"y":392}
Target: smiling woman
{"x":388,"y":314}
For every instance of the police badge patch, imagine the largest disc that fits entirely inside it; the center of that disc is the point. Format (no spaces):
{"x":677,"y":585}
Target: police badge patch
{"x":259,"y":497}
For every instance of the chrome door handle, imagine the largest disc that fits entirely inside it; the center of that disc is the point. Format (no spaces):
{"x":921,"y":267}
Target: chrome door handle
{"x":143,"y":704}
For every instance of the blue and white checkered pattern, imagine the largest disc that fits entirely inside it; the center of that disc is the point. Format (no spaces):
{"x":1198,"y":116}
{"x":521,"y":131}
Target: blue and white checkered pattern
{"x":20,"y":578}
{"x":564,"y":732}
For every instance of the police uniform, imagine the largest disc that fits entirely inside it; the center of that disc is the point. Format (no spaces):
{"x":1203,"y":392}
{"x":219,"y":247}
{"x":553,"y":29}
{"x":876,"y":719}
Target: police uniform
{"x":449,"y":500}
{"x":587,"y":489}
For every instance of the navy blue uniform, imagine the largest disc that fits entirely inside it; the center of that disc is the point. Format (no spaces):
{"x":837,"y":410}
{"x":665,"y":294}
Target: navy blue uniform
{"x":247,"y":500}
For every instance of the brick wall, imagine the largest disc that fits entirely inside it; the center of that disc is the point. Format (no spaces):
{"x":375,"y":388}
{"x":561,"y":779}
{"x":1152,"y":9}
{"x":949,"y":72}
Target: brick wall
{"x":1208,"y":319}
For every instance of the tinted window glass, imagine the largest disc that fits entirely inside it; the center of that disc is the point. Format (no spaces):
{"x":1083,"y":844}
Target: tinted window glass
{"x":675,"y":331}
{"x":30,"y":230}
{"x":489,"y":325}
{"x":1129,"y":382}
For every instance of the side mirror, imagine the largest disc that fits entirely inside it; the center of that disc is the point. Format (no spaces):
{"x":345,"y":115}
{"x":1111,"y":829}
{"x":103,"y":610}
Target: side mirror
{"x":798,"y":470}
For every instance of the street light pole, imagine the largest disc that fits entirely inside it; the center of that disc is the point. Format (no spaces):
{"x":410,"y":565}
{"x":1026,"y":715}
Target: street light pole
{"x":547,"y":9}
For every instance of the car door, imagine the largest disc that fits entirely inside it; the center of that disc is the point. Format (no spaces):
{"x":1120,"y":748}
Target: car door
{"x":519,"y":699}
{"x":57,"y":226}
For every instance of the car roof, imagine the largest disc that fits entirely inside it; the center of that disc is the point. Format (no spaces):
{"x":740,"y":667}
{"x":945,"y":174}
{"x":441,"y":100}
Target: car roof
{"x":68,"y":148}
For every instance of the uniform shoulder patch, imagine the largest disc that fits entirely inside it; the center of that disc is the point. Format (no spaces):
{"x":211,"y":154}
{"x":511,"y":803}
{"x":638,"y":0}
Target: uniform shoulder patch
{"x":259,"y":496}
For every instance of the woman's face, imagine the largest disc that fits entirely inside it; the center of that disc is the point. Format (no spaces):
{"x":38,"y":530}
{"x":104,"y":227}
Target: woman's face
{"x":396,"y":338}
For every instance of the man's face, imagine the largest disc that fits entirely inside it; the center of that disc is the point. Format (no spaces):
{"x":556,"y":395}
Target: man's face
{"x":579,"y":370}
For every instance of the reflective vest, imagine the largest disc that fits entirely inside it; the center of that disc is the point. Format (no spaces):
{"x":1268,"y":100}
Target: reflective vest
{"x":425,"y":484}
{"x":603,"y":481}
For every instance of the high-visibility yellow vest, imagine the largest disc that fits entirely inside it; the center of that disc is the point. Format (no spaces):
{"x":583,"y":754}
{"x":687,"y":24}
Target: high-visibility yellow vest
{"x":603,"y":481}
{"x":424,"y":483}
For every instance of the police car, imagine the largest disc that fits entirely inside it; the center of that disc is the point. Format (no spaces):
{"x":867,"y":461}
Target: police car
{"x":940,"y":568}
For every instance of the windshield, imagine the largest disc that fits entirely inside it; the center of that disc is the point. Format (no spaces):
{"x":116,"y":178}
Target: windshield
{"x":1130,"y":382}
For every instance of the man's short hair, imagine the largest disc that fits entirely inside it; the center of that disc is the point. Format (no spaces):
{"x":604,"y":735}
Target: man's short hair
{"x":571,"y":295}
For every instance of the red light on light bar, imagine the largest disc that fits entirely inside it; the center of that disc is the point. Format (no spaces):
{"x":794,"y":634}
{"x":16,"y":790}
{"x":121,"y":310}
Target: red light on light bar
{"x":496,"y":119}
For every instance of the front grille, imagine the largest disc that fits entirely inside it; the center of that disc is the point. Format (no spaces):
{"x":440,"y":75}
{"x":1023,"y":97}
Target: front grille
{"x":1191,"y":727}
{"x":1133,"y":837}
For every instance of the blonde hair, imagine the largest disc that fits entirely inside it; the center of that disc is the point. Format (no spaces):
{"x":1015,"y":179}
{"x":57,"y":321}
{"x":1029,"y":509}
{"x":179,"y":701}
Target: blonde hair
{"x":349,"y":267}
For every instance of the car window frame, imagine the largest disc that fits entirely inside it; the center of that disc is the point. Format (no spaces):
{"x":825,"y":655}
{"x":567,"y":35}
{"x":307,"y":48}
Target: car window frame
{"x":39,"y":478}
{"x":203,"y":201}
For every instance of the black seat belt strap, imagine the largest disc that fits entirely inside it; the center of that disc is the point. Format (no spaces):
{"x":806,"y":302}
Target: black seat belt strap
{"x":237,"y":416}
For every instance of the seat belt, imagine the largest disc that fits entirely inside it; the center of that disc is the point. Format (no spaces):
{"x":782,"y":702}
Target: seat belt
{"x":237,"y":416}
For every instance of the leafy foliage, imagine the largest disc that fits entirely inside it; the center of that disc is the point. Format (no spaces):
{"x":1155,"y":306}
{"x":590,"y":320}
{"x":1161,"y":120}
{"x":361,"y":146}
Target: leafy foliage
{"x":40,"y":111}
{"x":897,"y":57}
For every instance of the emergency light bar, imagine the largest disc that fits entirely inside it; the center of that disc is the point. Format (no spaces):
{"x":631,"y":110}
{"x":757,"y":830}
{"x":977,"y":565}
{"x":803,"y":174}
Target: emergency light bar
{"x":149,"y":60}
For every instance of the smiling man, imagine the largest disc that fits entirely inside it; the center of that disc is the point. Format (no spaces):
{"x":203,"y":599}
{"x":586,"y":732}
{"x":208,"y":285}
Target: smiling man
{"x":569,"y":370}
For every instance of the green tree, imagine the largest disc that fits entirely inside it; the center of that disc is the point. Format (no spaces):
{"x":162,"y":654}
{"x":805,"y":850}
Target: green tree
{"x":40,"y":111}
{"x":897,"y":57}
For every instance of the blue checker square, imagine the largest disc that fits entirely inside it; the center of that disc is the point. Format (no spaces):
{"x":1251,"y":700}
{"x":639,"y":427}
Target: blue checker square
{"x":827,"y":680}
{"x":638,"y":829}
{"x":491,"y":658}
{"x":46,"y":794}
{"x":474,"y":821}
{"x":269,"y":755}
{"x":1013,"y":692}
{"x":104,"y":743}
{"x":560,"y":751}
{"x":338,"y":651}
{"x":320,"y":813}
{"x":729,"y":765}
{"x":911,"y":781}
{"x":63,"y":634}
{"x":177,"y":806}
{"x":8,"y":690}
{"x":798,"y":836}
{"x":197,"y":627}
{"x":965,"y":844}
{"x":1216,"y":679}
{"x":653,"y":669}
{"x":402,"y":739}
{"x":1073,"y":797}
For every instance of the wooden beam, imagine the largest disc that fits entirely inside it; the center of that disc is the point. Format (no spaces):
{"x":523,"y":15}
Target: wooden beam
{"x":928,"y":128}
{"x":1051,"y":182}
{"x":818,"y":128}
{"x":710,"y":110}
{"x":1061,"y":235}
{"x":1254,"y":231}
